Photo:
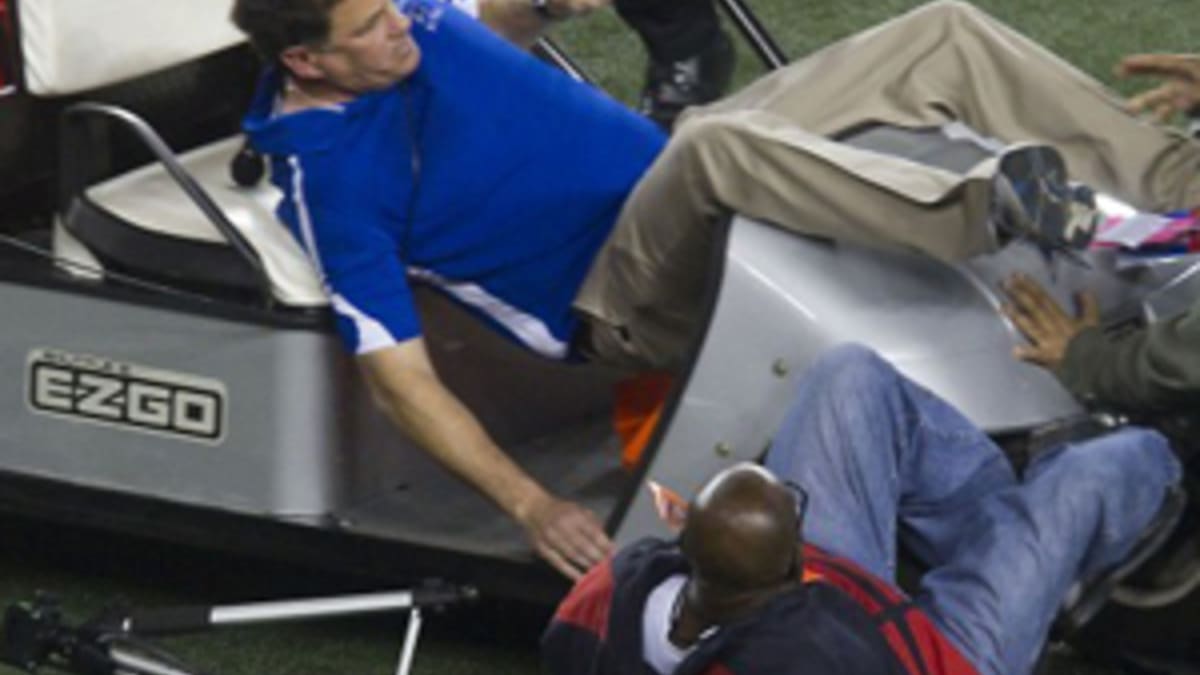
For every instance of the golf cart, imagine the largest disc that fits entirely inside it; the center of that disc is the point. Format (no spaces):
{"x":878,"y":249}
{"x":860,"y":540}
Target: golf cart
{"x":179,"y":374}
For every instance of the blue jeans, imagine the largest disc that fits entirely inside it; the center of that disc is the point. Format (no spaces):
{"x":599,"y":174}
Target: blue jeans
{"x":884,"y":460}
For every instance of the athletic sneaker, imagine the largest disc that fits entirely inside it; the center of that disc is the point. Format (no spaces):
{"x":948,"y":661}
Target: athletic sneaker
{"x":701,"y":78}
{"x":1088,"y":596}
{"x":1085,"y":218}
{"x":1032,"y":200}
{"x":1170,"y":576}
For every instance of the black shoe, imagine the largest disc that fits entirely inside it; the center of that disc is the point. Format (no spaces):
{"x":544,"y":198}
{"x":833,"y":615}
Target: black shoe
{"x":1032,"y":200}
{"x":701,"y":78}
{"x":1087,"y":597}
{"x":1171,"y":575}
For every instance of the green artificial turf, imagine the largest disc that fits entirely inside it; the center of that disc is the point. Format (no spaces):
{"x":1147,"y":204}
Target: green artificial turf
{"x":1092,"y":35}
{"x":89,"y":572}
{"x":496,"y":639}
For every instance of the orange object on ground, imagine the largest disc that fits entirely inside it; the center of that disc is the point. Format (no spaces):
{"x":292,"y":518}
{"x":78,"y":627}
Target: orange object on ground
{"x":639,"y":405}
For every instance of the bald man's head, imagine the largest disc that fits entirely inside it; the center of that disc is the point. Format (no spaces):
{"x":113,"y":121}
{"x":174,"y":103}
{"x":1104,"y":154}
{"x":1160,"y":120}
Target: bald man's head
{"x":741,"y":530}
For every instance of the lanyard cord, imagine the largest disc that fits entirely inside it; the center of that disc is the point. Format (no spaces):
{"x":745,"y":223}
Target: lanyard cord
{"x":414,"y":145}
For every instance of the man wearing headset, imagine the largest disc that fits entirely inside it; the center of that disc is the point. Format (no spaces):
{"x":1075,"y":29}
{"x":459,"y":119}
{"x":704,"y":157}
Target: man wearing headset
{"x":420,"y":146}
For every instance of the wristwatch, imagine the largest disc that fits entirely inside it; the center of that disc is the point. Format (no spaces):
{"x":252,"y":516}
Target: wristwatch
{"x":542,"y":9}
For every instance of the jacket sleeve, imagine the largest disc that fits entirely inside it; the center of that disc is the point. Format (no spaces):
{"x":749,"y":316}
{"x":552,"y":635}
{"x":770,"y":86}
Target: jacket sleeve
{"x":573,"y":643}
{"x":1154,"y":369}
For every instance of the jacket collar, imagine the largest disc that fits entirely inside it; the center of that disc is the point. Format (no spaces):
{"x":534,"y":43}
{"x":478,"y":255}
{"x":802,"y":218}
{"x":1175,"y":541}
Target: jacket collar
{"x":637,"y":571}
{"x":312,"y":130}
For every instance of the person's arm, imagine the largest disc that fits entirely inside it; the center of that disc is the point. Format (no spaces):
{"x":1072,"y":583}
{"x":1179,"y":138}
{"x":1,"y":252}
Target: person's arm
{"x":1156,"y":368}
{"x":405,"y":385}
{"x":1179,"y":93}
{"x":521,"y":22}
{"x":356,"y":251}
{"x":1150,"y":369}
{"x":574,"y":639}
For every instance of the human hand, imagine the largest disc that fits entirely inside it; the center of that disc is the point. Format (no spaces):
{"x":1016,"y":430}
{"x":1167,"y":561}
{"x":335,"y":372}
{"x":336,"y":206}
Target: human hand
{"x":566,"y":535}
{"x":569,"y":8}
{"x":1043,"y":322}
{"x":1179,"y":94}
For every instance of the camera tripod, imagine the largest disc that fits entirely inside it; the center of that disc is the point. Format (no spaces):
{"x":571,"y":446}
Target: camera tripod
{"x":114,"y":643}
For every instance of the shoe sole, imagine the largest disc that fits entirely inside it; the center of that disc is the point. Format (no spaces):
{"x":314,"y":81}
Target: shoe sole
{"x":1031,"y":196}
{"x":1086,"y":599}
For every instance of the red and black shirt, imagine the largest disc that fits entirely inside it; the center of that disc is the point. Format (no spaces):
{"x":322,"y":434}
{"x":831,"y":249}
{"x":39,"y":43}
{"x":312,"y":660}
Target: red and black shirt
{"x":843,"y":620}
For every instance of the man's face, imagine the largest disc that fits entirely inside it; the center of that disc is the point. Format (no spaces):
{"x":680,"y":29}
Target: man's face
{"x":370,"y":47}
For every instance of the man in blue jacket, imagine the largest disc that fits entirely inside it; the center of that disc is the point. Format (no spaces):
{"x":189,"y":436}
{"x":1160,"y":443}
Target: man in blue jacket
{"x":420,"y":145}
{"x":437,"y":152}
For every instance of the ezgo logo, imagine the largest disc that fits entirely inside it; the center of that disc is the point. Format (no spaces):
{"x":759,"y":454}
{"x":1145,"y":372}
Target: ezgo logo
{"x":101,"y":391}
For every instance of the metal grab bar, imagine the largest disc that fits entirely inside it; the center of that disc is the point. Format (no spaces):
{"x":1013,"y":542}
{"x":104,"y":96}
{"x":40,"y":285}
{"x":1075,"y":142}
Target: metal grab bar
{"x":74,"y":176}
{"x":755,"y":33}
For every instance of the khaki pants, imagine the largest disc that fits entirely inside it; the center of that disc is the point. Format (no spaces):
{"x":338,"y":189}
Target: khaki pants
{"x":765,"y":153}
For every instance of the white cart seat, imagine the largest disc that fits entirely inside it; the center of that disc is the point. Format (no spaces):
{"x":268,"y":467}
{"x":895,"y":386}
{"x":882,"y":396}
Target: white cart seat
{"x":149,"y":199}
{"x":69,"y":46}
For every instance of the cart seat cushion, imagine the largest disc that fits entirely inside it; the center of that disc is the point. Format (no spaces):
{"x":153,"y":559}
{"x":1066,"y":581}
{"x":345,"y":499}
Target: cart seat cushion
{"x":76,"y":45}
{"x":150,"y":200}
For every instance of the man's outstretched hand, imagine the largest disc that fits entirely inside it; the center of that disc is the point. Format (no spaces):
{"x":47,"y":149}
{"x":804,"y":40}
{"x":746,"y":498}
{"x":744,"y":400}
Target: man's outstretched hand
{"x":1044,"y":323}
{"x":570,"y":8}
{"x":1180,"y":93}
{"x":566,"y":535}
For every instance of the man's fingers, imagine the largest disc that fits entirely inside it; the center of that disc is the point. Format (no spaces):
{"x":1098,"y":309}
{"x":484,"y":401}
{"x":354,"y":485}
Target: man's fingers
{"x":1164,"y":112}
{"x":1033,"y":331}
{"x":582,"y":539}
{"x":571,"y":538}
{"x":1030,"y":354}
{"x":1144,"y":64}
{"x":580,"y":7}
{"x":1089,"y":308}
{"x":1151,"y":99}
{"x":1022,"y":299}
{"x":1043,"y":321}
{"x":576,"y":550}
{"x":1157,"y":64}
{"x":560,"y":563}
{"x":1030,"y":295}
{"x":1028,"y":327}
{"x":1035,"y":305}
{"x":595,"y":546}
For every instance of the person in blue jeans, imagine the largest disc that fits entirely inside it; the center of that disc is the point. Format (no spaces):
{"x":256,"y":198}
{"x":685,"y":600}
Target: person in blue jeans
{"x":883,"y":463}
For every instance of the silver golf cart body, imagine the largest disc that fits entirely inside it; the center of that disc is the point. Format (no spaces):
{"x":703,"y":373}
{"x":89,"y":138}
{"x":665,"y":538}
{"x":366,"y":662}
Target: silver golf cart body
{"x":215,"y":384}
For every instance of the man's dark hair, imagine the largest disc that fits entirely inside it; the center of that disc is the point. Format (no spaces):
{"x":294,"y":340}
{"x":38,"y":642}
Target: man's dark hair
{"x":274,"y":25}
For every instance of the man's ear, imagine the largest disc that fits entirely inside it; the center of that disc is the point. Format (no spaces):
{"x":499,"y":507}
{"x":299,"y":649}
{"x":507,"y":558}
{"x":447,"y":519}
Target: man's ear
{"x":301,"y":61}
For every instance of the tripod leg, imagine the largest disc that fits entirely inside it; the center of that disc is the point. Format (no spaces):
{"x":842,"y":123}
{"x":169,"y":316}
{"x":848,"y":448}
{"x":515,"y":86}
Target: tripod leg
{"x":760,"y":40}
{"x":411,"y":634}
